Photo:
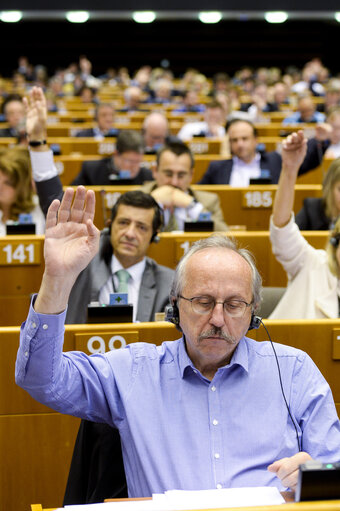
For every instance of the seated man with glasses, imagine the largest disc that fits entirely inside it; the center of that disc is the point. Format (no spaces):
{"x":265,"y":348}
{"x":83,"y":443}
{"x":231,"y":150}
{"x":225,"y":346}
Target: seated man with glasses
{"x":205,"y":411}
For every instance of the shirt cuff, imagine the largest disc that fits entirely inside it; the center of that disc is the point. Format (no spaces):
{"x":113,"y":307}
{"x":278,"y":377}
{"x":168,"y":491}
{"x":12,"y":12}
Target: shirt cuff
{"x":194,"y":210}
{"x":43,"y":166}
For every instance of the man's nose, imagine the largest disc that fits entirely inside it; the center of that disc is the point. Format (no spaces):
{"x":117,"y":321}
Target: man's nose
{"x":174,"y":180}
{"x":217,"y":317}
{"x":130,"y":231}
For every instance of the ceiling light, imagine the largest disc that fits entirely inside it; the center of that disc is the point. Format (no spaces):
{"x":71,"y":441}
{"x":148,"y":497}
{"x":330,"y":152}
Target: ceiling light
{"x":77,"y":16}
{"x":210,"y":17}
{"x":337,"y":16}
{"x":11,"y":16}
{"x":144,"y":16}
{"x":276,"y":17}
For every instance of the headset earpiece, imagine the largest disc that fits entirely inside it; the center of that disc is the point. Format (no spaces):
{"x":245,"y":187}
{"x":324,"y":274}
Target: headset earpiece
{"x":172,"y":314}
{"x":334,"y":240}
{"x":255,"y":322}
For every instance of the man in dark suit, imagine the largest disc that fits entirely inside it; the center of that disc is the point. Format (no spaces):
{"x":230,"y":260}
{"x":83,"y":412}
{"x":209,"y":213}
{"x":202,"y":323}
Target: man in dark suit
{"x":104,"y":117}
{"x":123,"y":167}
{"x":247,"y":163}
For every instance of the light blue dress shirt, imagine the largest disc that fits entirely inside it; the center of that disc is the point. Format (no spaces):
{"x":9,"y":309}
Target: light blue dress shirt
{"x":178,"y":429}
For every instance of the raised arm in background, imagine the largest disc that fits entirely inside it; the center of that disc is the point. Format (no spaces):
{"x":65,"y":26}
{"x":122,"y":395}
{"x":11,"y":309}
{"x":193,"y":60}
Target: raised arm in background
{"x":293,"y":153}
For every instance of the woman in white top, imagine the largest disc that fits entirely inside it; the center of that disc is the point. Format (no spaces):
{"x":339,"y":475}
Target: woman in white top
{"x":16,"y":189}
{"x":313,"y":274}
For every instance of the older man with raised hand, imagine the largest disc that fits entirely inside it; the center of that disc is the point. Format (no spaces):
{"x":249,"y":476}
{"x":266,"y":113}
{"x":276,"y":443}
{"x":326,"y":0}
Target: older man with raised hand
{"x":193,"y":413}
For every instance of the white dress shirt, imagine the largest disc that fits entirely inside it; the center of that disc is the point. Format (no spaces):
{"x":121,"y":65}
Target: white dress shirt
{"x":136,"y":273}
{"x":242,"y":172}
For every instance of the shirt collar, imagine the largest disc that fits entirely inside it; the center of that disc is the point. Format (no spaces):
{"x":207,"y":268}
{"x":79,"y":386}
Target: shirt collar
{"x":136,"y":270}
{"x":241,"y":163}
{"x":240,"y":357}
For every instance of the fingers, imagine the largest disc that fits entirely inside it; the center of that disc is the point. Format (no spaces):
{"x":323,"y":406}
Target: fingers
{"x":294,"y":141}
{"x":78,"y":206}
{"x":287,"y":469}
{"x":51,"y":217}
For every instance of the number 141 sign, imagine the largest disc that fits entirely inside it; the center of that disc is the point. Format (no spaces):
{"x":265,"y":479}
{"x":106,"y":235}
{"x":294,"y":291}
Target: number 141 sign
{"x":19,"y":253}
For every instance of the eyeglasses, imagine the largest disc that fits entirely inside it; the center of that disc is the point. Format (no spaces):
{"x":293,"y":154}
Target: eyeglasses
{"x":206,"y":304}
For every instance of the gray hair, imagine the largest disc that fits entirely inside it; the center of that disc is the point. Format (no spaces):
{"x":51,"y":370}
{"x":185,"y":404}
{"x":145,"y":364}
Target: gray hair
{"x":217,"y":241}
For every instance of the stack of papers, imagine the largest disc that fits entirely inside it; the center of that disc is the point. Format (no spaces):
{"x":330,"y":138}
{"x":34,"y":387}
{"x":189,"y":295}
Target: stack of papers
{"x":178,"y":500}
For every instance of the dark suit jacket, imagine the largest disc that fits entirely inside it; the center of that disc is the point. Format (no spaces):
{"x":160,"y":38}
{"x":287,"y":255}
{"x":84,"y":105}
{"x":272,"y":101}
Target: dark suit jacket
{"x":219,"y":172}
{"x":97,"y":172}
{"x":90,"y":132}
{"x":97,"y":470}
{"x":311,"y":216}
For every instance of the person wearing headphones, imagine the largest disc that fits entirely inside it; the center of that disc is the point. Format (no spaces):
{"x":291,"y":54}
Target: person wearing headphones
{"x":192,"y":413}
{"x":313,"y":275}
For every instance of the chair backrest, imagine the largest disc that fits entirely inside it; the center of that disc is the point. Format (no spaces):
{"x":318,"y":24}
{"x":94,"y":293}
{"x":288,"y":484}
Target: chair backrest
{"x":270,"y":298}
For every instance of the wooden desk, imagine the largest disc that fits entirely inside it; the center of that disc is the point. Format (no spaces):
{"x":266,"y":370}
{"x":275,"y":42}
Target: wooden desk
{"x":250,"y":206}
{"x":36,"y":443}
{"x":21,"y":268}
{"x":21,"y":264}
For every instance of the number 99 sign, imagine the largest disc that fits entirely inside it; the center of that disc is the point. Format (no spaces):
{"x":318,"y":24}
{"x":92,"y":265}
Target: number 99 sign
{"x":96,"y":344}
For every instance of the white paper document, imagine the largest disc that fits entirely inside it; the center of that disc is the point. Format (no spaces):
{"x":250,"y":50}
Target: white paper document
{"x":177,"y":500}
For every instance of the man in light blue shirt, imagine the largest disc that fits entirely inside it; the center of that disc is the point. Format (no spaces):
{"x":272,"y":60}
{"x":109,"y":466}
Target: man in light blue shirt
{"x":205,"y":411}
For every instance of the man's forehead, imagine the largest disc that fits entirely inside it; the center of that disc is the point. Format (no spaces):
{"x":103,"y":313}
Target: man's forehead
{"x":171,"y":161}
{"x":144,"y":215}
{"x":240,"y":129}
{"x":220,"y":259}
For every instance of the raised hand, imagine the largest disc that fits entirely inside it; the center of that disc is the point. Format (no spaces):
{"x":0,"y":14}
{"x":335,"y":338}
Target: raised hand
{"x":71,"y":241}
{"x":294,"y":149}
{"x":36,"y":114}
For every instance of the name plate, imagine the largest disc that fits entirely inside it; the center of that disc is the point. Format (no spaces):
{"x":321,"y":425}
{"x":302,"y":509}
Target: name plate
{"x":257,"y":199}
{"x":89,"y":343}
{"x":18,"y":253}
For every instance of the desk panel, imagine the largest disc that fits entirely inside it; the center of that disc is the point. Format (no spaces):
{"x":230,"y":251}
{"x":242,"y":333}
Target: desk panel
{"x":19,"y":281}
{"x":250,"y":206}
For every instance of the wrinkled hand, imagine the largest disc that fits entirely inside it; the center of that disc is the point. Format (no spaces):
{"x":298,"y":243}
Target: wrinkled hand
{"x":287,"y":469}
{"x":71,"y":239}
{"x":36,"y":114}
{"x":323,"y":131}
{"x":294,"y":149}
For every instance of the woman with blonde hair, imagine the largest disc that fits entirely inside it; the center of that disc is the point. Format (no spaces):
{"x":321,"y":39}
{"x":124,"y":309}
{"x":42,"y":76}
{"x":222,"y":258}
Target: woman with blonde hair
{"x":321,"y":213}
{"x":313,"y":287}
{"x":16,"y":189}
